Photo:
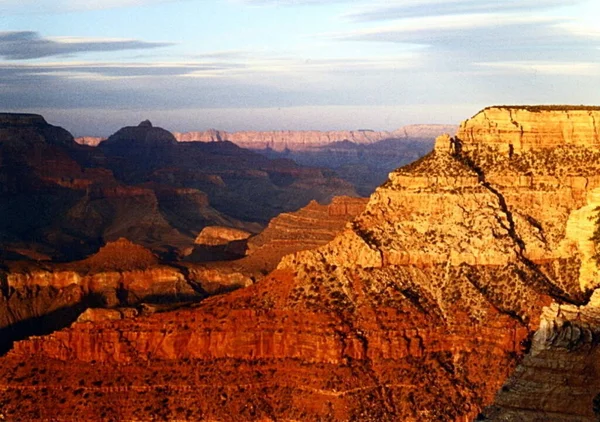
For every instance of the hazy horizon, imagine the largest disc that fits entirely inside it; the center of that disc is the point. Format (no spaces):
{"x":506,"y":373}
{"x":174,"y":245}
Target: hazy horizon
{"x":291,"y":64}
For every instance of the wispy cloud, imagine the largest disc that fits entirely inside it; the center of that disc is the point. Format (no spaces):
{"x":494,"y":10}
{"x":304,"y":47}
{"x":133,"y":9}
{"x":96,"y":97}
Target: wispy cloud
{"x":113,"y":70}
{"x":60,"y":6}
{"x":289,"y":2}
{"x":23,"y":45}
{"x":545,"y":68}
{"x":447,"y":29}
{"x":421,"y":8}
{"x":487,"y":37}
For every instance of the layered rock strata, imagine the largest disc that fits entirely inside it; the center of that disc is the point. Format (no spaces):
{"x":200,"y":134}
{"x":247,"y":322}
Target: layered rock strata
{"x":308,"y":228}
{"x":299,"y":140}
{"x":215,"y":243}
{"x":310,"y":139}
{"x":419,"y":310}
{"x":121,"y":273}
{"x":515,"y":129}
{"x":62,"y":201}
{"x":557,"y":381}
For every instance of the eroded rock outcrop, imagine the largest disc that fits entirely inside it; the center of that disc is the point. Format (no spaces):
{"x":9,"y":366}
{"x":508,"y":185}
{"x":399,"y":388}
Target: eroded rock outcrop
{"x":514,"y":129}
{"x":307,"y":228}
{"x":62,"y":201}
{"x":557,"y":381}
{"x":217,"y":243}
{"x":419,"y":310}
{"x":217,"y":236}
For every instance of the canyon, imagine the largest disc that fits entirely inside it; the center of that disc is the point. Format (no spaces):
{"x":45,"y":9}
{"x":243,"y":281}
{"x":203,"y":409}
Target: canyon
{"x":464,"y":288}
{"x":299,"y":140}
{"x":362,"y":157}
{"x":63,"y":201}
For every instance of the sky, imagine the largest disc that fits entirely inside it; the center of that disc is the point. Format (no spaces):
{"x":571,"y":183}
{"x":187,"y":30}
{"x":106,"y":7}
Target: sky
{"x":95,"y":66}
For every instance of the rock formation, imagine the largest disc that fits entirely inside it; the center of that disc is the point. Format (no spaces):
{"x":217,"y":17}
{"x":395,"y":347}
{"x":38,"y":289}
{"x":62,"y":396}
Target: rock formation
{"x":217,"y":243}
{"x":519,"y":129}
{"x":308,"y":228}
{"x":419,"y":310}
{"x":61,"y":200}
{"x":557,"y":380}
{"x":362,"y":157}
{"x":217,"y":236}
{"x":299,"y":140}
{"x":311,"y":139}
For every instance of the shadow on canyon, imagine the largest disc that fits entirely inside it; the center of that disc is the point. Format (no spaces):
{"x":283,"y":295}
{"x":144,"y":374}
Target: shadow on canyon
{"x":64,"y":316}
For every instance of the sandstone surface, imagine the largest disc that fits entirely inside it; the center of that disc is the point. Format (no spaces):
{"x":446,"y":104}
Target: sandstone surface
{"x":557,"y":381}
{"x":518,"y":128}
{"x":217,"y":243}
{"x":216,"y":236}
{"x":307,"y":228}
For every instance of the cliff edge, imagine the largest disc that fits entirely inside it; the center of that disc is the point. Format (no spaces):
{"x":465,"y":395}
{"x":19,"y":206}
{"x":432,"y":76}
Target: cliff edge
{"x":515,"y":129}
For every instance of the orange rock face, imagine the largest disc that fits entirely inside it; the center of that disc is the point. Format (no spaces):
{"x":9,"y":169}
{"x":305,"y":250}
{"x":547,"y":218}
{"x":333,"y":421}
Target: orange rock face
{"x":307,"y":228}
{"x":419,"y":310}
{"x":519,"y":129}
{"x":217,"y":236}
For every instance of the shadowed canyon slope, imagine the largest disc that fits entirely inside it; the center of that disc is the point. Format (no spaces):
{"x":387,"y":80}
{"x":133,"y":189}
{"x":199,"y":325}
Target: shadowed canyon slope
{"x":40,"y":297}
{"x":419,"y":310}
{"x":61,"y":200}
{"x":362,"y":157}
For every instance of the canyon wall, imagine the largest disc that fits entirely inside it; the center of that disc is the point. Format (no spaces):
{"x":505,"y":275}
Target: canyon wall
{"x":517,"y":129}
{"x":310,"y":139}
{"x":362,"y":157}
{"x":300,"y":140}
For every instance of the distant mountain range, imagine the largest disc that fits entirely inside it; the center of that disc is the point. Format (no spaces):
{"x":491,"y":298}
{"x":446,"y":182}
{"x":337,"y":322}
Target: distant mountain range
{"x":301,"y":140}
{"x":361,"y":157}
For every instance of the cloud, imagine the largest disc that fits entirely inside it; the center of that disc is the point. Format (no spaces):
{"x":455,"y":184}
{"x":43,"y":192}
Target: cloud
{"x":61,"y":6}
{"x":23,"y":45}
{"x":106,"y":71}
{"x":459,"y":40}
{"x":290,"y":2}
{"x":448,"y":29}
{"x":546,"y":68}
{"x":221,"y":80}
{"x":423,"y":8}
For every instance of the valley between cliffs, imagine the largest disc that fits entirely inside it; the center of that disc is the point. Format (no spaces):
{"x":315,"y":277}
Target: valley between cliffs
{"x":464,"y":290}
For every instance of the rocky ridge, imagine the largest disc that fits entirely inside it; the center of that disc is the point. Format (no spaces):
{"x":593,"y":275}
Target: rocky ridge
{"x":308,"y":228}
{"x":305,"y":140}
{"x":62,"y":201}
{"x":420,"y":309}
{"x":298,"y":140}
{"x":362,"y":157}
{"x":43,"y":297}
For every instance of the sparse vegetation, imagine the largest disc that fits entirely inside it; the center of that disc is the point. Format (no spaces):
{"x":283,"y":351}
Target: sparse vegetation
{"x":596,"y":236}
